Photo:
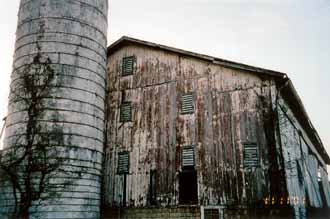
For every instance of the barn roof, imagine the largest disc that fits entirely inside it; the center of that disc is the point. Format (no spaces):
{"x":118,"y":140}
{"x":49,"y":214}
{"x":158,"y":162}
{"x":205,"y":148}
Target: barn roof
{"x":284,"y":83}
{"x":128,"y":40}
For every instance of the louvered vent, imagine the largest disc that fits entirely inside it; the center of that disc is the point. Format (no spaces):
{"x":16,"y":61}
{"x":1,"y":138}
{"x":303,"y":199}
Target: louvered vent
{"x":126,"y":112}
{"x":251,"y":157}
{"x":128,"y":65}
{"x":187,"y":104}
{"x":188,"y":157}
{"x":123,"y":163}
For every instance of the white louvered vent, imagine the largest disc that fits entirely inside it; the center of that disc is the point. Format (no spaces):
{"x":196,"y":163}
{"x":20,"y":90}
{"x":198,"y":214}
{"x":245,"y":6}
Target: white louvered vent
{"x":188,"y":157}
{"x":126,"y":112}
{"x":123,"y":163}
{"x":128,"y":65}
{"x":187,"y":104}
{"x":251,"y":155}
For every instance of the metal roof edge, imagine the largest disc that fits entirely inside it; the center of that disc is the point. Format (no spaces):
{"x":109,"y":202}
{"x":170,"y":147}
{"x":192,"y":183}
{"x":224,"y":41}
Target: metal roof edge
{"x":307,"y":124}
{"x":231,"y":64}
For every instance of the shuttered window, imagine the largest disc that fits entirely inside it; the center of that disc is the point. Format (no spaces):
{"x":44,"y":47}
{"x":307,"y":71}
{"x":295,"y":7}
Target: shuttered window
{"x":126,"y":112}
{"x":188,"y":157}
{"x":251,"y":155}
{"x":211,"y":213}
{"x":187,"y":103}
{"x":123,"y":163}
{"x":128,"y":65}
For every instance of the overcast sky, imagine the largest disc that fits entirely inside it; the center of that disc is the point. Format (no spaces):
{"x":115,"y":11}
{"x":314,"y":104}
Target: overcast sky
{"x":291,"y":36}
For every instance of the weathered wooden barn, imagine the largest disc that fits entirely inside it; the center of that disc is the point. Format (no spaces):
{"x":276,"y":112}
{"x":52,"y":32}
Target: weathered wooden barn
{"x":194,"y":136}
{"x":184,"y":135}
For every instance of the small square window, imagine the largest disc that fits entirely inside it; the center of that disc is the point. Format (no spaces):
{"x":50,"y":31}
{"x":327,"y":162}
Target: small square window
{"x":188,"y":157}
{"x":251,"y":155}
{"x":128,"y":65}
{"x":126,"y":112}
{"x":211,"y":213}
{"x":123,"y":163}
{"x":187,"y":103}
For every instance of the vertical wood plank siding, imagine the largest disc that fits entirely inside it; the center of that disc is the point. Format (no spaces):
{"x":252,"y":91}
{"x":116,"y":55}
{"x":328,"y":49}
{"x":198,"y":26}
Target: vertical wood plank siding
{"x":301,"y":162}
{"x":231,"y":107}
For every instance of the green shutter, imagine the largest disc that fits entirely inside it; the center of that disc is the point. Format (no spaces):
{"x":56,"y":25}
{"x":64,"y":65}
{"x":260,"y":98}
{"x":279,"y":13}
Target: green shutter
{"x":123,"y":163}
{"x":126,"y":112}
{"x":128,"y":65}
{"x":187,"y":104}
{"x":251,"y":155}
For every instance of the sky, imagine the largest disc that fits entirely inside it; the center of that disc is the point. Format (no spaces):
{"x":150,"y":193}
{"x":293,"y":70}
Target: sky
{"x":291,"y":36}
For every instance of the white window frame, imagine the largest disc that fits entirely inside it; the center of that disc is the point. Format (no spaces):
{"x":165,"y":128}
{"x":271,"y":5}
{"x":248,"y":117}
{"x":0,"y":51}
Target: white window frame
{"x":219,"y":208}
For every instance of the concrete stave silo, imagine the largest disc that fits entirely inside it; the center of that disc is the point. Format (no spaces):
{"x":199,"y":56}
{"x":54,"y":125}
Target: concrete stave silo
{"x":71,"y":35}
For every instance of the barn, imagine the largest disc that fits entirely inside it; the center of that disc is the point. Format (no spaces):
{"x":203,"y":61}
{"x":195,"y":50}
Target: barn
{"x":195,"y":136}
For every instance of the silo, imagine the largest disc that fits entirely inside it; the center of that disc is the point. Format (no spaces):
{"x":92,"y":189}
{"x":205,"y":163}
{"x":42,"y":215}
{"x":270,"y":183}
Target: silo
{"x":67,"y":38}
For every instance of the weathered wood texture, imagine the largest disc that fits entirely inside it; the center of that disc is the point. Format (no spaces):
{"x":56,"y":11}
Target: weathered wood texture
{"x":232,"y":107}
{"x":303,"y":165}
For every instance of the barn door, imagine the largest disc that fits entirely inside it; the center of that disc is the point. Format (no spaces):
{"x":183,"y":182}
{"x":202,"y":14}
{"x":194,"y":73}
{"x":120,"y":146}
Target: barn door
{"x":188,"y":187}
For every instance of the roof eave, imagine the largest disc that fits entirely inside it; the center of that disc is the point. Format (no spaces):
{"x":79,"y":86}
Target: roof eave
{"x":226,"y":63}
{"x":290,"y":93}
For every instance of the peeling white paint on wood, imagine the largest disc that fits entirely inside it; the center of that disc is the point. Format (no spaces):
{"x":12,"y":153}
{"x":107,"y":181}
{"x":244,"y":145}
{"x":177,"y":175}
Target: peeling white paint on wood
{"x":229,"y":111}
{"x":232,"y":107}
{"x":301,"y":163}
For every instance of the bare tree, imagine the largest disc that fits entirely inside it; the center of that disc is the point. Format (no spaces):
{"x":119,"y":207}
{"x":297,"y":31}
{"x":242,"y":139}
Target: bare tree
{"x":32,"y":157}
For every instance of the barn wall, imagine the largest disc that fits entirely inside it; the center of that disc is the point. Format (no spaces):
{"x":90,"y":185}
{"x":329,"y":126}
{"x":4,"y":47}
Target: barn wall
{"x":231,"y":108}
{"x":302,"y":163}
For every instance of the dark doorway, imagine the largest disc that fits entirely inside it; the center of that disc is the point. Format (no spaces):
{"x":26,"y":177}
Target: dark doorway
{"x":152,"y":188}
{"x":188,"y":187}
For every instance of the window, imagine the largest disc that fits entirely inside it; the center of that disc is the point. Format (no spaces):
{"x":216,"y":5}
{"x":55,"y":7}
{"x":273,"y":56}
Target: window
{"x":126,"y":112}
{"x":211,"y":212}
{"x":250,"y":155}
{"x":187,"y":103}
{"x":188,"y":157}
{"x":128,"y":65}
{"x":123,"y":163}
